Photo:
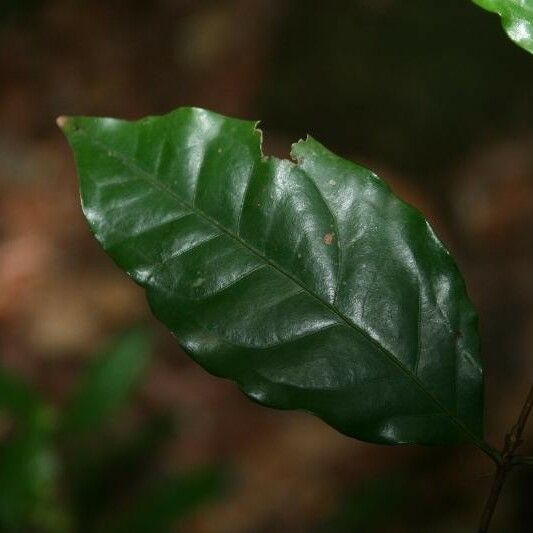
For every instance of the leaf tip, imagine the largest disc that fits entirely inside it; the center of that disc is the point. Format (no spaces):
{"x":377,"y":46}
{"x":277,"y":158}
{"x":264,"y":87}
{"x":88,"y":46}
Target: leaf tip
{"x":62,"y":122}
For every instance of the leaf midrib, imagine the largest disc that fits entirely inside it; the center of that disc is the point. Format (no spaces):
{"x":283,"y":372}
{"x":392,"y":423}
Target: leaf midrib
{"x":152,"y":180}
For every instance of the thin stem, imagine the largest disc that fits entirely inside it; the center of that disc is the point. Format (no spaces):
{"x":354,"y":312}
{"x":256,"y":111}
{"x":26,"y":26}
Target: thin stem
{"x":513,"y":440}
{"x":494,"y":454}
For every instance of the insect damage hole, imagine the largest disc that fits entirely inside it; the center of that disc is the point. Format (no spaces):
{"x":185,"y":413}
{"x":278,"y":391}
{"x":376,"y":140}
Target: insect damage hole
{"x":328,"y":238}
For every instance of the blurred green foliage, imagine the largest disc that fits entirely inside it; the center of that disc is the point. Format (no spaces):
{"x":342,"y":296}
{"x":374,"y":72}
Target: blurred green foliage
{"x":9,"y":8}
{"x":396,"y":501}
{"x":66,"y":469}
{"x":108,"y":383}
{"x":374,"y":505}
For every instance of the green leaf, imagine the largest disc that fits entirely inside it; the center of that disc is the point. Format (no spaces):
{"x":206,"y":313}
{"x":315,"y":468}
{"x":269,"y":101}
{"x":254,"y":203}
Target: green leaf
{"x":517,"y":19}
{"x":310,"y":284}
{"x":373,"y":505}
{"x":109,"y":382}
{"x":29,"y":476}
{"x":102,"y":476}
{"x":28,"y":463}
{"x":16,"y":397}
{"x":165,"y":503}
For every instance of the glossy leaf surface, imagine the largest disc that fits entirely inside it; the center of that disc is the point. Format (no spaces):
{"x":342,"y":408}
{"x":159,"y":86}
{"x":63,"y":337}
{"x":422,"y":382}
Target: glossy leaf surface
{"x":309,"y":284}
{"x":517,"y":19}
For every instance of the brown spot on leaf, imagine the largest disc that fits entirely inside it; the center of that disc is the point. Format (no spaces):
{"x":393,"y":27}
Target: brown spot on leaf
{"x":328,"y":238}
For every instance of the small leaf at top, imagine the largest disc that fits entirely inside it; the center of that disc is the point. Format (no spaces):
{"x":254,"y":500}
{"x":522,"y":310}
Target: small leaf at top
{"x":517,"y":19}
{"x":309,"y":284}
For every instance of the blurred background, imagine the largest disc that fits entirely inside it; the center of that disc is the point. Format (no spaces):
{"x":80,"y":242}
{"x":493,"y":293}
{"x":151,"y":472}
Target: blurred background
{"x":105,"y":424}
